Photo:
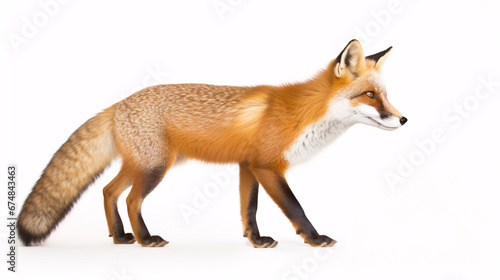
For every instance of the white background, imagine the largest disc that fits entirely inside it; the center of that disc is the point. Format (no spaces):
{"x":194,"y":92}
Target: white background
{"x":441,"y":221}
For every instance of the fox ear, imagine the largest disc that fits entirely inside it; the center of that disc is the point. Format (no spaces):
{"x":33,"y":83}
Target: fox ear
{"x":351,"y":59}
{"x":379,"y":58}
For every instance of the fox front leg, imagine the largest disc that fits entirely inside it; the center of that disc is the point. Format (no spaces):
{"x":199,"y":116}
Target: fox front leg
{"x":249,"y":188}
{"x":276,"y":186}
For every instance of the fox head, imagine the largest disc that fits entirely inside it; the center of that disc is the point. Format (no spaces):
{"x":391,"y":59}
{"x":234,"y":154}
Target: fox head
{"x":360,"y":95}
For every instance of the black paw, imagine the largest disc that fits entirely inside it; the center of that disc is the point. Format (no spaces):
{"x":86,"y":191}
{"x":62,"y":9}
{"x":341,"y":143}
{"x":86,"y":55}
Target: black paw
{"x":127,"y":238}
{"x":320,"y":241}
{"x":154,"y":241}
{"x":264,"y":242}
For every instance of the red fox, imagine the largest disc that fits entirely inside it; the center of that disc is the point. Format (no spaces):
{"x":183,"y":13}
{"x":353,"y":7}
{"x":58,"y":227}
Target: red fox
{"x":264,"y":129}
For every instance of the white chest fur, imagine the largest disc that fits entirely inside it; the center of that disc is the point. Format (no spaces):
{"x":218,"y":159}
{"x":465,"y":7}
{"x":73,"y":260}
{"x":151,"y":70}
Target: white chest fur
{"x":319,"y":134}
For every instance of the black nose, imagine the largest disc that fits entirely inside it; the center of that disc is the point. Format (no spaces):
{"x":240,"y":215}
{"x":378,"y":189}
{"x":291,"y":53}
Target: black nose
{"x":403,"y":120}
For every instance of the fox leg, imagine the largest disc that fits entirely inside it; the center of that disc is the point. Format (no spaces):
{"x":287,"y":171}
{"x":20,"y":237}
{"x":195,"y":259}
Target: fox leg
{"x":249,"y":187}
{"x":276,"y":186}
{"x":144,"y":182}
{"x":111,"y":194}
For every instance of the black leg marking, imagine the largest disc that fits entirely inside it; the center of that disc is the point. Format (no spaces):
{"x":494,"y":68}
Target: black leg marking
{"x":118,"y":231}
{"x":257,"y":240}
{"x":147,"y":239}
{"x":151,"y":180}
{"x":252,"y":209}
{"x":293,"y":210}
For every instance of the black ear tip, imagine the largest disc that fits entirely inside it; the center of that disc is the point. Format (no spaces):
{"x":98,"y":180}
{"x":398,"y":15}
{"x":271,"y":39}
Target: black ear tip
{"x":377,"y":56}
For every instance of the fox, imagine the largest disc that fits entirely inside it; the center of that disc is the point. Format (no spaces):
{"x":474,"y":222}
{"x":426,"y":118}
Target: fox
{"x":264,"y":129}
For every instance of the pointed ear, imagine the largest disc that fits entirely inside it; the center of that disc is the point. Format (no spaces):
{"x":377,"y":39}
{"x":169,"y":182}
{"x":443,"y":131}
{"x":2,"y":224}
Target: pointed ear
{"x":379,"y":58}
{"x":350,"y":60}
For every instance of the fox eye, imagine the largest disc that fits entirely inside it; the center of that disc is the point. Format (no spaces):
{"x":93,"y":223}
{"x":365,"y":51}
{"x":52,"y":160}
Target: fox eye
{"x":370,"y":94}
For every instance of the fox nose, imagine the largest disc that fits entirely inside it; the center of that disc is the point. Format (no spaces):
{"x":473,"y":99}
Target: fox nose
{"x":403,"y":120}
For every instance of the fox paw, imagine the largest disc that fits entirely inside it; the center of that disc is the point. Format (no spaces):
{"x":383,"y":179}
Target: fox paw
{"x":264,"y":242}
{"x":320,"y":241}
{"x":154,"y":241}
{"x":127,"y":238}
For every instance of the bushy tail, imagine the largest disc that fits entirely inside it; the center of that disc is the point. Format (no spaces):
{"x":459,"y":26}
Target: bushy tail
{"x":88,"y":151}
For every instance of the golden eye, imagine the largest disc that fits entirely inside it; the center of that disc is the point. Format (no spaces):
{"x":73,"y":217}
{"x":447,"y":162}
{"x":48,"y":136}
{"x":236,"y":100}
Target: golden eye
{"x":370,"y":94}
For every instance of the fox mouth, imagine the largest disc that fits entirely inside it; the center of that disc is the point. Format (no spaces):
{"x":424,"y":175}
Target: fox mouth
{"x":383,"y":126}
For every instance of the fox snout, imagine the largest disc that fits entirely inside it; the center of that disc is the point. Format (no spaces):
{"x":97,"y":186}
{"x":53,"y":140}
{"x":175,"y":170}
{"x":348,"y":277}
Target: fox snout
{"x":374,"y":109}
{"x":395,"y":114}
{"x":391,"y":111}
{"x":390,"y":121}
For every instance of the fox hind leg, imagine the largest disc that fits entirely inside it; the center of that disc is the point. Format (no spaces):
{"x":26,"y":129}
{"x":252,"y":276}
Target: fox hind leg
{"x":111,"y":194}
{"x":249,"y":187}
{"x":143,"y":142}
{"x":143,"y":184}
